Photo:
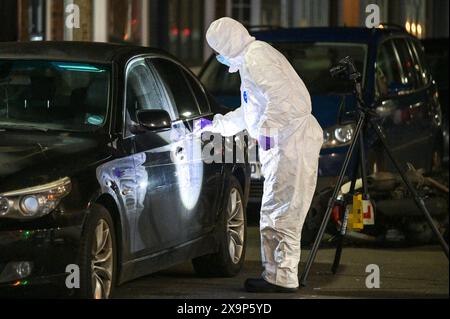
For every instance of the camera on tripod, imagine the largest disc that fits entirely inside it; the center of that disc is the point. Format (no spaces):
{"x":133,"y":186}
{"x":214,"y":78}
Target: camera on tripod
{"x":346,"y":70}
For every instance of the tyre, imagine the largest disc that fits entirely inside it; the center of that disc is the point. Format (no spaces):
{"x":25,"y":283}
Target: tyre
{"x":232,"y":237}
{"x":98,"y":256}
{"x":418,"y":231}
{"x":315,"y":217}
{"x":310,"y":227}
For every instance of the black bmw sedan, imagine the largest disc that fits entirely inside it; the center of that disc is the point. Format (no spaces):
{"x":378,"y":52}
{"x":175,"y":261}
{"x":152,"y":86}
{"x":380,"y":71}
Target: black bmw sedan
{"x":98,"y":181}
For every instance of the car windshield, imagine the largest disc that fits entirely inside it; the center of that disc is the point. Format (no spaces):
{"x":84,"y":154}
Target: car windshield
{"x":53,"y":95}
{"x":312,"y":61}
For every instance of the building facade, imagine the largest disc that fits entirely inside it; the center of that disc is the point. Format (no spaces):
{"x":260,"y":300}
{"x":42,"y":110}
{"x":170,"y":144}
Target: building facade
{"x":179,"y":26}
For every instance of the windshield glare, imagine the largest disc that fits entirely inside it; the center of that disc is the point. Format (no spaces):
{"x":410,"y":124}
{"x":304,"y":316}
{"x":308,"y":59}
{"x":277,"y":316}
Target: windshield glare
{"x":312,"y":61}
{"x":53,"y":95}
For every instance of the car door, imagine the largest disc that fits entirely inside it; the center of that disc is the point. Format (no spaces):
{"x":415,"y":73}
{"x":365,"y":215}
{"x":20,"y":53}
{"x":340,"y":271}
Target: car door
{"x":159,"y":213}
{"x":211,"y":197}
{"x":398,"y":103}
{"x":198,"y":182}
{"x":417,"y":102}
{"x":431,"y":113}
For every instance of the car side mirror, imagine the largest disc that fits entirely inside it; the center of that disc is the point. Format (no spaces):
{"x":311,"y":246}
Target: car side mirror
{"x":154,"y":120}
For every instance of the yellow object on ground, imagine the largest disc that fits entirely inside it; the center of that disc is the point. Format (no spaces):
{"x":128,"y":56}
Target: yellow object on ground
{"x":356,"y":217}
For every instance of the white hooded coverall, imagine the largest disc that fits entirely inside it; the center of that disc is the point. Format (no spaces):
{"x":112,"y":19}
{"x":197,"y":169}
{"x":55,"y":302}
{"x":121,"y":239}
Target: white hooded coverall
{"x":275,"y":102}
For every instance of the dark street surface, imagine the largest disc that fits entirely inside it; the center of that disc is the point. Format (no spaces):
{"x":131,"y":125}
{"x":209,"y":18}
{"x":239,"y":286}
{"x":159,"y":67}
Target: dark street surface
{"x":415,"y":272}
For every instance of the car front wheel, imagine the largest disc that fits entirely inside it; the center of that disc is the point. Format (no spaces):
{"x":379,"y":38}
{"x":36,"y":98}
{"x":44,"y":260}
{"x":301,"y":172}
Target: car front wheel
{"x":98,"y":255}
{"x":229,"y":258}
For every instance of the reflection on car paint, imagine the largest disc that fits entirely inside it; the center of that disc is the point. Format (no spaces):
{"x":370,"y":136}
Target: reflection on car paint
{"x":118,"y":178}
{"x":189,"y":171}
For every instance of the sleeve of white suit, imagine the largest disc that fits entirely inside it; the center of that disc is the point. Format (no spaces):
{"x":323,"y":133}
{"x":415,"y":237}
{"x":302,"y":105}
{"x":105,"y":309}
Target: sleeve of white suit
{"x":229,"y":124}
{"x":265,"y":71}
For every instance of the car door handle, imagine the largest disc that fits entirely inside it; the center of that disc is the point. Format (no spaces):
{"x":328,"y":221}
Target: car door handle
{"x":179,"y":154}
{"x":179,"y":150}
{"x":126,"y":191}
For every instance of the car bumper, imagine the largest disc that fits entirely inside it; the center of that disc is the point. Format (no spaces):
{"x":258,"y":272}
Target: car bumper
{"x":330,"y":164}
{"x":38,"y":256}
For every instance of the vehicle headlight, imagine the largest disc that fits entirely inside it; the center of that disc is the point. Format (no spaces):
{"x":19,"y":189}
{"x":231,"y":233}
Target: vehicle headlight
{"x":337,"y":136}
{"x":35,"y":201}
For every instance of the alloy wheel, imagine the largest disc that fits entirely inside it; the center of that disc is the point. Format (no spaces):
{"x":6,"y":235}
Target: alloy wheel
{"x":235,"y":226}
{"x":102,"y":261}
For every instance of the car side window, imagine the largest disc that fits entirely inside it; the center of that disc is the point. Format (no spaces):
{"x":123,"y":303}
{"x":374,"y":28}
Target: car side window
{"x":143,"y":91}
{"x":199,"y":93}
{"x":177,"y":87}
{"x":388,"y":73}
{"x":393,"y":74}
{"x":410,"y":76}
{"x":422,"y":67}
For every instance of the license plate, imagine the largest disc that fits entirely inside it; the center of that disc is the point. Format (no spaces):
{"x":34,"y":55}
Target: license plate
{"x":256,"y":171}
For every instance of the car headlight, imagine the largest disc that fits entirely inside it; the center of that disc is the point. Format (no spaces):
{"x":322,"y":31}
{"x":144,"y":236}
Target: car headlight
{"x":338,"y":136}
{"x":35,"y":201}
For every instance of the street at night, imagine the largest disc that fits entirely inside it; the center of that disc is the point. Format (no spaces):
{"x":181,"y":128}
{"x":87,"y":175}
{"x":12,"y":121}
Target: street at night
{"x":415,"y":272}
{"x":224,"y":150}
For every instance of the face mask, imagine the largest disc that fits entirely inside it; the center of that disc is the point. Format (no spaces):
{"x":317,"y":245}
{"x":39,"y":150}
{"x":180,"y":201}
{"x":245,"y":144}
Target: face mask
{"x":223,"y":60}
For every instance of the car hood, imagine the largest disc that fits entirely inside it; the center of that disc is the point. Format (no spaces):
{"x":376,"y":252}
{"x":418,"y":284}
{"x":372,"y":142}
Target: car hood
{"x":33,"y":158}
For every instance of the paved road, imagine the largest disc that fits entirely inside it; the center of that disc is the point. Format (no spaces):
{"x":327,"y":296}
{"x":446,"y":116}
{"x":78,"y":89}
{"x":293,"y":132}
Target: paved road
{"x":420,"y":272}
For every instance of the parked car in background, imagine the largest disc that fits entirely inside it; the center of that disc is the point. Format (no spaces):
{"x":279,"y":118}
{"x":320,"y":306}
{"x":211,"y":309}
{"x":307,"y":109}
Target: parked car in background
{"x":436,"y":51}
{"x":397,"y":84}
{"x":97,"y":169}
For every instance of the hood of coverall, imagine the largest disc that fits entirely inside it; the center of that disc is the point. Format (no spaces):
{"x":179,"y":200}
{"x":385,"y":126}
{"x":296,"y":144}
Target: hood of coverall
{"x":228,"y":37}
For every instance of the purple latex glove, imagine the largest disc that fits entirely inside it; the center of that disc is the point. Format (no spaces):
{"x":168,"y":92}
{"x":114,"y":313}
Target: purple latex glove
{"x":266,"y":142}
{"x":201,"y":124}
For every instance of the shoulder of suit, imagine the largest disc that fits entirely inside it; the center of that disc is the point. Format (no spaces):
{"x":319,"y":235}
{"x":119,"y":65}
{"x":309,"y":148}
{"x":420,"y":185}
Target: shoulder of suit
{"x":258,"y":49}
{"x":257,"y":46}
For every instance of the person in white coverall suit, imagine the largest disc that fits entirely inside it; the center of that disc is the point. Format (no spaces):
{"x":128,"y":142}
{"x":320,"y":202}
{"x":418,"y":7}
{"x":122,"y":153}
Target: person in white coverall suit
{"x":275,"y":110}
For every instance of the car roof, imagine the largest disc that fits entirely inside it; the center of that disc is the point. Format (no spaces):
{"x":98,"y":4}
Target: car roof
{"x":93,"y":52}
{"x":327,"y":34}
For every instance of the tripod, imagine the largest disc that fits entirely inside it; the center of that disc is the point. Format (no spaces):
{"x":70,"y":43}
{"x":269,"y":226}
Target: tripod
{"x":347,"y":69}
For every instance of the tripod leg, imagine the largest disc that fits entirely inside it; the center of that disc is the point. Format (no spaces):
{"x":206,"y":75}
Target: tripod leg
{"x":363,"y":165}
{"x":313,"y":253}
{"x":343,"y":230}
{"x":337,"y":256}
{"x":340,"y":243}
{"x":419,"y":201}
